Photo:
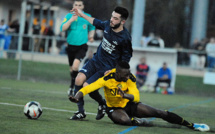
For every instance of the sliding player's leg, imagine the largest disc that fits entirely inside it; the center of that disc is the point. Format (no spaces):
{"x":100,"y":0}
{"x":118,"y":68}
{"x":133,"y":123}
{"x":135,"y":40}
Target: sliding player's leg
{"x":144,"y":110}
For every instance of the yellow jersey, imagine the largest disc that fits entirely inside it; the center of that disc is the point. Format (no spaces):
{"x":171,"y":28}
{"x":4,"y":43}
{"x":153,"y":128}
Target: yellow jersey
{"x":113,"y":99}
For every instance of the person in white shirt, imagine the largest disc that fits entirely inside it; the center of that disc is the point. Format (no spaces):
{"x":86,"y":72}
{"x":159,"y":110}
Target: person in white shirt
{"x":210,"y":49}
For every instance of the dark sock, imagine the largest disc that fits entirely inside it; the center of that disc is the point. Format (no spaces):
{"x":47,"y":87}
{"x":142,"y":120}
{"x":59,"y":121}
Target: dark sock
{"x":80,"y":103}
{"x":73,"y":76}
{"x":187,"y":124}
{"x":71,"y":80}
{"x":175,"y":119}
{"x":77,"y":88}
{"x":97,"y":97}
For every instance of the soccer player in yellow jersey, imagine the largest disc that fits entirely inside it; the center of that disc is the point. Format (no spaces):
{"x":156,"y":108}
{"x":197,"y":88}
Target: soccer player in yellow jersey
{"x":122,"y":99}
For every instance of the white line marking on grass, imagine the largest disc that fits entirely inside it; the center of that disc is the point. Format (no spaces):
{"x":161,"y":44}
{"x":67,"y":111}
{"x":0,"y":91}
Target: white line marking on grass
{"x":63,"y":110}
{"x":54,"y":92}
{"x":53,"y":109}
{"x":37,"y":90}
{"x":5,"y":87}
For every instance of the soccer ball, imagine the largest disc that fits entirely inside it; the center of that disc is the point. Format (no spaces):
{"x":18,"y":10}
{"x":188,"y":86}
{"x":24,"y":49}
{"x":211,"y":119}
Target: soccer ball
{"x":33,"y":110}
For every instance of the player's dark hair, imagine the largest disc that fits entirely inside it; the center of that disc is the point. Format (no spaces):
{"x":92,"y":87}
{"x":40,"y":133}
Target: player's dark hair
{"x":123,"y":65}
{"x":122,"y":11}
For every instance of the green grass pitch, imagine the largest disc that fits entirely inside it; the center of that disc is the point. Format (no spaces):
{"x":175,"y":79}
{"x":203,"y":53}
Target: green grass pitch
{"x":57,"y":109}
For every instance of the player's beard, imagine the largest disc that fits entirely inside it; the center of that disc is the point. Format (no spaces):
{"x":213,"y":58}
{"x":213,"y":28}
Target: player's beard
{"x":116,"y":26}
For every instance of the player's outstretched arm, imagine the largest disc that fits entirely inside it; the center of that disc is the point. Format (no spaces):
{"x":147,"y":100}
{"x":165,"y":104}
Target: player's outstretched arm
{"x":69,"y":22}
{"x":78,"y":12}
{"x":91,"y":35}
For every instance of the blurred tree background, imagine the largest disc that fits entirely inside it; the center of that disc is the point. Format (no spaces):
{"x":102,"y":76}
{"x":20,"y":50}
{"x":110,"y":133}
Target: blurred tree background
{"x":171,"y":19}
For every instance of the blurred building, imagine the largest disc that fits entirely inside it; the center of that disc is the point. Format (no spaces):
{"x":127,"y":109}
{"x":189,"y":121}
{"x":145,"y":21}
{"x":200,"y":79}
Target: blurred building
{"x":48,"y":12}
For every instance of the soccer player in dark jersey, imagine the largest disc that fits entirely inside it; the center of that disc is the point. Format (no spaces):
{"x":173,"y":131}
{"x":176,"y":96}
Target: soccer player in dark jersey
{"x":122,"y":99}
{"x":116,"y":45}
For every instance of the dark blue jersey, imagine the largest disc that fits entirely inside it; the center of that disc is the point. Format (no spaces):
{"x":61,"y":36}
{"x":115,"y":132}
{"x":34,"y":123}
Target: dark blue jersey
{"x":114,"y":46}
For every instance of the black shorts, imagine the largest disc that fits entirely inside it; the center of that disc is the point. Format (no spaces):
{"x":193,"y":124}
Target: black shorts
{"x":76,"y":52}
{"x":93,"y":70}
{"x":130,"y":109}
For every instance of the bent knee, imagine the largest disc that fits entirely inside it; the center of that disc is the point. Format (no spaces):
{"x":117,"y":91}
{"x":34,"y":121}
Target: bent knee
{"x":85,"y":84}
{"x":80,"y":79}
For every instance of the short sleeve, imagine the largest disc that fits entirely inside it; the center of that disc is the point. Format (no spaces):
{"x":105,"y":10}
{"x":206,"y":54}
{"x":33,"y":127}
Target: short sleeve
{"x":91,"y":27}
{"x":65,"y":19}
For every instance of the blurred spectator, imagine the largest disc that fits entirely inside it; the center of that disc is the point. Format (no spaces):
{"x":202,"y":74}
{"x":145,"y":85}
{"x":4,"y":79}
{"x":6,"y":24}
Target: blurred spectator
{"x":156,"y":42}
{"x":36,"y":27}
{"x":178,"y":46}
{"x":194,"y":55}
{"x":149,"y":37}
{"x":180,"y":57}
{"x":164,"y":76}
{"x":61,"y":43}
{"x":201,"y":55}
{"x":142,"y":72}
{"x":54,"y":49}
{"x":48,"y":32}
{"x":183,"y":57}
{"x":210,"y":49}
{"x":98,"y":34}
{"x":143,"y":41}
{"x":63,"y":48}
{"x":161,"y":41}
{"x":14,"y":40}
{"x":3,"y":29}
{"x":25,"y":45}
{"x":153,"y":43}
{"x":36,"y":31}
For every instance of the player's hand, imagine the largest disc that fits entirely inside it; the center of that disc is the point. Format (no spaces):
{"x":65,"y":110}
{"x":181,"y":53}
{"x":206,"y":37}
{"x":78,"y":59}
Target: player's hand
{"x":165,"y":77}
{"x":91,"y":39}
{"x":120,"y":92}
{"x":73,"y":18}
{"x":73,"y":99}
{"x":108,"y":71}
{"x":77,"y":12}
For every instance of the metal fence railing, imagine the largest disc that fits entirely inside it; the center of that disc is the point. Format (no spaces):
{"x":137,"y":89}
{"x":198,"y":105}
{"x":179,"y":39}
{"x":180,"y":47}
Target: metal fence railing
{"x":33,"y":42}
